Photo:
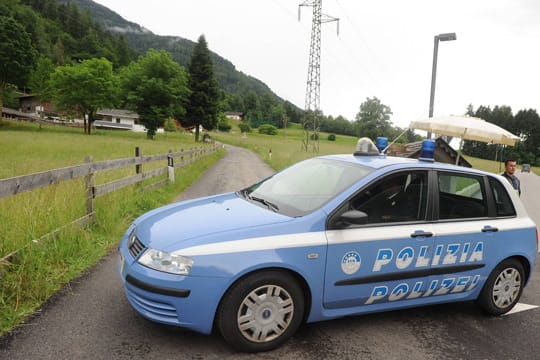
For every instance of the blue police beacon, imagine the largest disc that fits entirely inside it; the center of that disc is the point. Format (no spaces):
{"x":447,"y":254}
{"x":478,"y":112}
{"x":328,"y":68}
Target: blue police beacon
{"x":382,"y":143}
{"x":427,"y":152}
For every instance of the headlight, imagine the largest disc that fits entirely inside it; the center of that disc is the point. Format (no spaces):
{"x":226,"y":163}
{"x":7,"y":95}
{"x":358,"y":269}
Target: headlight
{"x":166,"y":262}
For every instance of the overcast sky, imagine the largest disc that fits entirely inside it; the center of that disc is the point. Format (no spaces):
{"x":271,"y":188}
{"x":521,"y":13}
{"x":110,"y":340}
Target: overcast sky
{"x":384,"y":49}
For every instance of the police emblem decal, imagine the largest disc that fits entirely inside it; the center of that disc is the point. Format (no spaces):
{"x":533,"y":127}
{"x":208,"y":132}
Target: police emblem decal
{"x":350,"y":263}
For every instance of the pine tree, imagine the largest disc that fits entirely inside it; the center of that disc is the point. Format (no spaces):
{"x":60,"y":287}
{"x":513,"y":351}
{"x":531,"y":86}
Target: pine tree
{"x":202,"y":108}
{"x":17,"y":56}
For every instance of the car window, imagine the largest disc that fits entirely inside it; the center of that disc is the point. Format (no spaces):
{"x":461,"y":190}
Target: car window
{"x":398,"y":197}
{"x":461,"y":196}
{"x":503,"y":204}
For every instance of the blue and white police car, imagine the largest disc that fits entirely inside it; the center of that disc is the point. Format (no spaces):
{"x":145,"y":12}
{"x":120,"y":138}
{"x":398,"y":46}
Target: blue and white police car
{"x":329,"y":237}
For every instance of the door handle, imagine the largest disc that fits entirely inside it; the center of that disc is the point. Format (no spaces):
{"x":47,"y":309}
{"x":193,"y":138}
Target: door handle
{"x":421,"y":233}
{"x":489,"y":228}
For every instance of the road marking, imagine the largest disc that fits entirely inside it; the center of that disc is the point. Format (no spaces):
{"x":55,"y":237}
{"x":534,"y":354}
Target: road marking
{"x":521,"y":307}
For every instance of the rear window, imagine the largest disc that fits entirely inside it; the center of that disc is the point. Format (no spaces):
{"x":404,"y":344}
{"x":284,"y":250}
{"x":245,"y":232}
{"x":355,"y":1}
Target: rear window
{"x":503,"y":204}
{"x":461,"y":196}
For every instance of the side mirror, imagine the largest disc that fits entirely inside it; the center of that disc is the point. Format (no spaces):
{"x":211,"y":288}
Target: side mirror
{"x":354,"y":217}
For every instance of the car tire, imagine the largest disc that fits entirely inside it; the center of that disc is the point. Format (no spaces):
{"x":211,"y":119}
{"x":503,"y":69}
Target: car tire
{"x":261,"y":311}
{"x":503,"y":288}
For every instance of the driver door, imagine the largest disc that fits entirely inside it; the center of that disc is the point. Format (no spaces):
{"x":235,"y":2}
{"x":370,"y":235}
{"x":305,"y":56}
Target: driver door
{"x":387,"y":258}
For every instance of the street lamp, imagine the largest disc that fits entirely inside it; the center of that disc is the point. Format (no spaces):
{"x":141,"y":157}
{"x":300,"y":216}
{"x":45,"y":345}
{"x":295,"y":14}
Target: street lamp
{"x":440,"y":37}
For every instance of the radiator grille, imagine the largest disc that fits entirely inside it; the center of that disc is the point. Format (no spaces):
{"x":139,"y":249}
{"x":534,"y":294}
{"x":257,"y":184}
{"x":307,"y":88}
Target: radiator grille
{"x":135,"y":246}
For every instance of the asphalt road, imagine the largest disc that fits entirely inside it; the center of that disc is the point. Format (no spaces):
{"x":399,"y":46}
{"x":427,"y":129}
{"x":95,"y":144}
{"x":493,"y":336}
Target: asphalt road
{"x":91,"y":318}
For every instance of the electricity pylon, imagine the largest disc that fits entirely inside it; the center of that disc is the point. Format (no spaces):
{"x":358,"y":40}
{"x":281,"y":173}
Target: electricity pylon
{"x":310,"y":122}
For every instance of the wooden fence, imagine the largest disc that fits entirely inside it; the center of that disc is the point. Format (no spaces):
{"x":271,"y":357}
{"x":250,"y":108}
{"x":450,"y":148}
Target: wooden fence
{"x":20,"y":184}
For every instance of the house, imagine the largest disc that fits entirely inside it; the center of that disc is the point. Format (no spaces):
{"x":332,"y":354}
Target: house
{"x":232,"y":115}
{"x":19,"y":115}
{"x":29,"y":103}
{"x":118,"y":119}
{"x":443,"y":152}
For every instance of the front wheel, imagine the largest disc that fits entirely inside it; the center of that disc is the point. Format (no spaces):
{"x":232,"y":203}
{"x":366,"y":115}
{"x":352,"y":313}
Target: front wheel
{"x":261,"y":311}
{"x":503,"y":288}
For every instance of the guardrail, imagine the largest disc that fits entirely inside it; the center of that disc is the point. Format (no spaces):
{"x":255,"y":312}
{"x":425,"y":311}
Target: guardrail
{"x":88,"y":170}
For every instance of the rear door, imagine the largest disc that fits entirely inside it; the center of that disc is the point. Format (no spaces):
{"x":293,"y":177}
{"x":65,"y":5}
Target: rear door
{"x":469,"y":236}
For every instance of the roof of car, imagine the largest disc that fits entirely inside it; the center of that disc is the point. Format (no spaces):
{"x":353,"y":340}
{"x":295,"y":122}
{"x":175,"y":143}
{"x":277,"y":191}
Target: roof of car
{"x":380,"y":161}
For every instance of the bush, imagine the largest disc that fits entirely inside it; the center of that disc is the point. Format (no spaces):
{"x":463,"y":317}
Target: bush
{"x":331,"y":137}
{"x":245,"y":128}
{"x":314,"y":136}
{"x":170,"y":125}
{"x":223,"y":125}
{"x":267,"y":129}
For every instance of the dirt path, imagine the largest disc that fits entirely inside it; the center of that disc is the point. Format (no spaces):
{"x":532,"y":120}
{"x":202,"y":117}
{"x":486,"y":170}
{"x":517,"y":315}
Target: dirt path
{"x":244,"y":166}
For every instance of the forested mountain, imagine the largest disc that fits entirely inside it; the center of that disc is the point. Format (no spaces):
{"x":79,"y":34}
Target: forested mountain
{"x":70,"y":31}
{"x":140,"y":40}
{"x":65,"y":34}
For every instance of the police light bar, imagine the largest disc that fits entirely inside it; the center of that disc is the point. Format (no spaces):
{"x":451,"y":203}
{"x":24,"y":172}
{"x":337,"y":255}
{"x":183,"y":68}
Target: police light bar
{"x":427,"y":152}
{"x":365,"y":147}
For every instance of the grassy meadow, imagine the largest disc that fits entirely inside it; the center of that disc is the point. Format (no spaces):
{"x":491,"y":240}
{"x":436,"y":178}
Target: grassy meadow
{"x":44,"y":265}
{"x":286,"y":146}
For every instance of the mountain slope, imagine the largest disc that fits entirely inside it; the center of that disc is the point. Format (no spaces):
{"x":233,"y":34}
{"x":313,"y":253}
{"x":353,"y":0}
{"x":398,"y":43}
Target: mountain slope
{"x":141,"y":39}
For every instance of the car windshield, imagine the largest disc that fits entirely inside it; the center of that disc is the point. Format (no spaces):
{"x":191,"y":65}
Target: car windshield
{"x":305,"y":186}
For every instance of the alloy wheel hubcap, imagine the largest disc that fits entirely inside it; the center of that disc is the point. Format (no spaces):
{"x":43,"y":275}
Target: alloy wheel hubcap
{"x":265,"y":313}
{"x":506,"y":288}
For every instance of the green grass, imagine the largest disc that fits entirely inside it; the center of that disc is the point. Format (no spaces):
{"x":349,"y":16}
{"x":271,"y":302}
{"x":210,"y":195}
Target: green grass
{"x":286,"y":146}
{"x":28,"y":148}
{"x":41,"y":268}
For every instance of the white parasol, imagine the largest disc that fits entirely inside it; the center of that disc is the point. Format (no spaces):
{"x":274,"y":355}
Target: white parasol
{"x":466,"y":128}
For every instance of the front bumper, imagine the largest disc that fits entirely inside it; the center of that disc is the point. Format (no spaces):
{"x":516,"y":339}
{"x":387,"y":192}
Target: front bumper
{"x":178,"y":300}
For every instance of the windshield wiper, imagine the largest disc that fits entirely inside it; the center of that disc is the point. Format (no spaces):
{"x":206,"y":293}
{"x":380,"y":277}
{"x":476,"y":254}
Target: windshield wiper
{"x":268,"y":204}
{"x":244,"y":193}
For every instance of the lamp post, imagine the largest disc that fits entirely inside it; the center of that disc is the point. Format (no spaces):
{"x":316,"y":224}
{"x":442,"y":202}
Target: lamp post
{"x":440,"y":37}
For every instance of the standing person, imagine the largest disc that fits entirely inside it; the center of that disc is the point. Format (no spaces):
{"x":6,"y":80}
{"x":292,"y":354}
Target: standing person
{"x":509,"y":170}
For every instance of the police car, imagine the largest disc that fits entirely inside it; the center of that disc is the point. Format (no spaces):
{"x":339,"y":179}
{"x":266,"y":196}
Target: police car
{"x":329,"y":237}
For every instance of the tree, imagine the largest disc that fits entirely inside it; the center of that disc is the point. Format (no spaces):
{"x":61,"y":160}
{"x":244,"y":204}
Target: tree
{"x":17,"y":55}
{"x":38,"y":80}
{"x":339,"y":125}
{"x":202,"y":108}
{"x":277,"y":116}
{"x":527,"y":126}
{"x":83,"y":88}
{"x":169,"y":125}
{"x":373,"y":119}
{"x":294,"y":114}
{"x":155,"y":87}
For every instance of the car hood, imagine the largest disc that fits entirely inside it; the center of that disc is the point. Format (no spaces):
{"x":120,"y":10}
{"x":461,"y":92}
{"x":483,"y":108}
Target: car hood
{"x":202,"y":221}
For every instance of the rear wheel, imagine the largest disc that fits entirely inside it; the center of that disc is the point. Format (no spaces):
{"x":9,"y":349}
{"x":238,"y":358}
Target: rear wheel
{"x":261,"y":311}
{"x":503,"y":288}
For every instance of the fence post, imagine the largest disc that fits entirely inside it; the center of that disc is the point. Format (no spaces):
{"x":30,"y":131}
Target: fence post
{"x":89,"y":183}
{"x":170,"y":166}
{"x":138,"y":168}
